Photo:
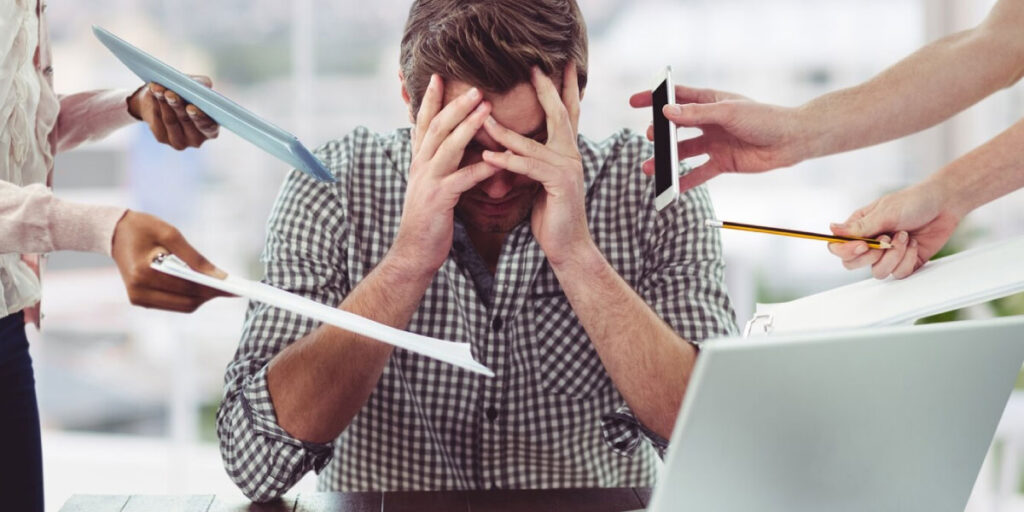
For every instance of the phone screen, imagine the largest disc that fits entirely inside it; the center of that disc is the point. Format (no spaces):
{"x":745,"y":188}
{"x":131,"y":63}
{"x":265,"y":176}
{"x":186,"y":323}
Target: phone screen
{"x":664,"y":164}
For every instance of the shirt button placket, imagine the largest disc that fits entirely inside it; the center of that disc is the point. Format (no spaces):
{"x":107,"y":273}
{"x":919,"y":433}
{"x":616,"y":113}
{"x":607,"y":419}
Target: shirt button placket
{"x":492,"y":412}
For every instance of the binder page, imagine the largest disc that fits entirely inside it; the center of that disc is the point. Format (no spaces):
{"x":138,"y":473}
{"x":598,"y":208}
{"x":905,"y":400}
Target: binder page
{"x":458,"y":354}
{"x":957,"y":281}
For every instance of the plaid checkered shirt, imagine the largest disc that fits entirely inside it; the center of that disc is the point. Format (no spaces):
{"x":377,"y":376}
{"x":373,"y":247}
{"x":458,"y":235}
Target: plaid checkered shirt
{"x":551,"y":418}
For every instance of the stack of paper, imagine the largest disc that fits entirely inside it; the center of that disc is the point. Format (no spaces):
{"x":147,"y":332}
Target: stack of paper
{"x":451,"y":352}
{"x":954,"y":282}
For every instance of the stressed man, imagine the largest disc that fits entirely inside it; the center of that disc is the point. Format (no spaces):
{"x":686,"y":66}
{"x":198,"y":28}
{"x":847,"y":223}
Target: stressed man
{"x":490,"y":222}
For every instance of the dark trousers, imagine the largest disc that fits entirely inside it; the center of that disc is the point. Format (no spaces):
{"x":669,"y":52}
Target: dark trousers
{"x":21,"y":455}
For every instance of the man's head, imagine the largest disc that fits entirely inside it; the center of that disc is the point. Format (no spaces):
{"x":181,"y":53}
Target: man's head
{"x":493,"y":45}
{"x":490,"y":44}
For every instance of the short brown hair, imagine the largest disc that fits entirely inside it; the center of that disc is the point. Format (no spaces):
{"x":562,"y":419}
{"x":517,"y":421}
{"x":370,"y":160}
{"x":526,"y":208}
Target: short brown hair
{"x":491,"y":44}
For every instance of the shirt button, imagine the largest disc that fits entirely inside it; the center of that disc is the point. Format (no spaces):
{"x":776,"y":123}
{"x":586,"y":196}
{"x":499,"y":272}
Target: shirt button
{"x":492,"y":414}
{"x":497,"y":324}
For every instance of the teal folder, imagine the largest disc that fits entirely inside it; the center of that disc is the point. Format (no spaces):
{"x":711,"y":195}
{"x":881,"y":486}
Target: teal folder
{"x":225,"y":112}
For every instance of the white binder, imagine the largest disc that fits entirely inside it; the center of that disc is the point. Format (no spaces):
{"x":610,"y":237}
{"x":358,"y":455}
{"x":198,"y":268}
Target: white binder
{"x":957,"y":281}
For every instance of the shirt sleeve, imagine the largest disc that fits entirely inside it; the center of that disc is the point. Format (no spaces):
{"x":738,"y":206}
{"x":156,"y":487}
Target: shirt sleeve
{"x":303,"y":255}
{"x":683,"y":281}
{"x":90,"y":116}
{"x":33,"y":220}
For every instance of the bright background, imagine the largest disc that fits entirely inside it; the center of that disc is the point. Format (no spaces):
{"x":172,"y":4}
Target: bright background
{"x":128,"y":395}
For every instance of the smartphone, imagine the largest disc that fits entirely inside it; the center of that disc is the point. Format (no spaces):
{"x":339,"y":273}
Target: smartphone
{"x":666,"y":161}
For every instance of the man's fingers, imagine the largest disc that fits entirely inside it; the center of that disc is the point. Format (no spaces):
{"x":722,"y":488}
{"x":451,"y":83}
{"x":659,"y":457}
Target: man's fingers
{"x":555,"y":112}
{"x":447,"y":119}
{"x":571,"y":95}
{"x":451,"y":150}
{"x":468,"y":177}
{"x":511,"y":140}
{"x":525,"y":166}
{"x":429,"y":107}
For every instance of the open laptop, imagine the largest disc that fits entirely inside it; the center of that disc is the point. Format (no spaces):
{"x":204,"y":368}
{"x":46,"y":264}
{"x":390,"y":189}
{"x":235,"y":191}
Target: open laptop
{"x":896,"y":418}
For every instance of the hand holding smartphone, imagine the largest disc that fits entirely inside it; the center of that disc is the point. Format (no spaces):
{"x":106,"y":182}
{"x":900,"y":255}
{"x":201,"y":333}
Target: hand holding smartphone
{"x":666,"y":160}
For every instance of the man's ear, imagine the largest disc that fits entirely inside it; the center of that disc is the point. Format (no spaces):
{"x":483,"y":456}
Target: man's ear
{"x":405,"y":97}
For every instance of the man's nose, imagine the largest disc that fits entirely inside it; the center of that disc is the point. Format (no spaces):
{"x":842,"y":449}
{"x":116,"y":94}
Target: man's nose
{"x":499,"y":185}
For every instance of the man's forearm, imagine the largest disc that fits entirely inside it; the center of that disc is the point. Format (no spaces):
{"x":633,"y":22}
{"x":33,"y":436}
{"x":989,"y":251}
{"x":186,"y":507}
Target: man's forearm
{"x":923,"y":89}
{"x":648,"y":362}
{"x":320,"y":382}
{"x":990,"y":171}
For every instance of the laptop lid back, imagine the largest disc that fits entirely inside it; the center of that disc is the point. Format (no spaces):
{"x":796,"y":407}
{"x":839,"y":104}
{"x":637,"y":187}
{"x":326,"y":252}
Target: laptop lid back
{"x":896,"y":418}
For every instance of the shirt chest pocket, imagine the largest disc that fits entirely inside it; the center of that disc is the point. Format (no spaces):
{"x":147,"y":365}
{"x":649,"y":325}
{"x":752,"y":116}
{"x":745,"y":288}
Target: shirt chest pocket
{"x":566,"y":362}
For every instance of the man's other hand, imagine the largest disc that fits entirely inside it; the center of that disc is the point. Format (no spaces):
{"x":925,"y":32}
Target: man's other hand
{"x":173,"y":121}
{"x":436,"y":181}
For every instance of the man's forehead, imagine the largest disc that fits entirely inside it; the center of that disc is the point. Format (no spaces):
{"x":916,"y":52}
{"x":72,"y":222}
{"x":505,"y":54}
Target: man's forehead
{"x":518,"y":109}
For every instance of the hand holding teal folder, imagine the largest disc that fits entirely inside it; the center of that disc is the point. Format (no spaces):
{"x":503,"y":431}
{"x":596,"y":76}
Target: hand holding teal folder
{"x":225,"y":112}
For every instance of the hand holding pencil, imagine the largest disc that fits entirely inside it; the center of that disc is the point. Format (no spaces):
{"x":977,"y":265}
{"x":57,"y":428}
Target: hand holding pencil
{"x":919,"y":217}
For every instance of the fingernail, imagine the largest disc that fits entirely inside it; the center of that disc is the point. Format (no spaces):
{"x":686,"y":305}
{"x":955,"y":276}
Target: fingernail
{"x":192,"y":111}
{"x":861,"y":249}
{"x":673,"y":110}
{"x":902,"y":237}
{"x":474,"y":93}
{"x":490,"y":121}
{"x":171,"y":99}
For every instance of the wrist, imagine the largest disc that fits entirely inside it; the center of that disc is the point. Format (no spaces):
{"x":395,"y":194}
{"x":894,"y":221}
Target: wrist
{"x":132,"y":103}
{"x":585,"y":260}
{"x":405,"y":267}
{"x":952,"y":197}
{"x":809,"y":134}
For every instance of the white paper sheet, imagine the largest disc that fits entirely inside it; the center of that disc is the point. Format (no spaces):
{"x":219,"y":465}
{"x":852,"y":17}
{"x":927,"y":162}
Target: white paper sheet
{"x":958,"y":281}
{"x":451,"y":352}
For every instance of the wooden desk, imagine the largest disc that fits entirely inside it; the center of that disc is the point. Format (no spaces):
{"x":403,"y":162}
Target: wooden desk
{"x":554,"y":500}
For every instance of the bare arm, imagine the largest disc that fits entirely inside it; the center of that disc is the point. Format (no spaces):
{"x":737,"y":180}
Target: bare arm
{"x":924,"y":89}
{"x":744,"y":136}
{"x":306,"y":407}
{"x":647,"y":361}
{"x":925,"y":215}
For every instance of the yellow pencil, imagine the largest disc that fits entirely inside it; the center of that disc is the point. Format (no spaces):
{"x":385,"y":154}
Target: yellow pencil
{"x":872,"y":243}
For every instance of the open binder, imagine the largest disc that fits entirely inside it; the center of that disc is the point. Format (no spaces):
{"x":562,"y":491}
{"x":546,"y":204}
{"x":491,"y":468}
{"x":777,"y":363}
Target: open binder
{"x":957,"y":281}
